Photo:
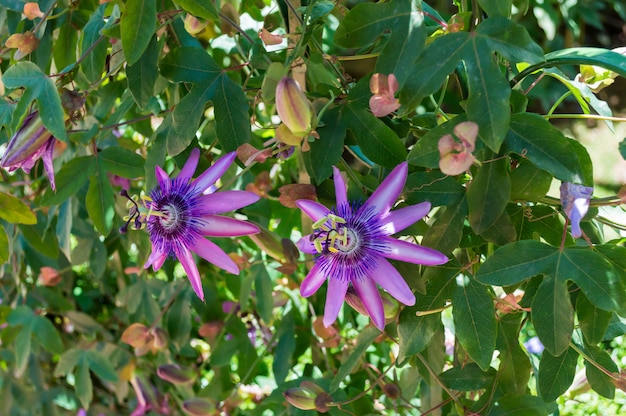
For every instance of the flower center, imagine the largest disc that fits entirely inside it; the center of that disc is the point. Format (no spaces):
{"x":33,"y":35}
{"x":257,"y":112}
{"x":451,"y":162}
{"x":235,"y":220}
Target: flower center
{"x":171,"y":217}
{"x":332,"y":235}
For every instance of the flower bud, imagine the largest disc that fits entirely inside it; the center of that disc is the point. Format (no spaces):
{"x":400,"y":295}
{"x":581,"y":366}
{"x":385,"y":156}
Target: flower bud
{"x":49,"y":276}
{"x":301,"y":398}
{"x":175,"y":374}
{"x":294,"y":109}
{"x":199,"y":407}
{"x":27,"y":145}
{"x":270,"y":243}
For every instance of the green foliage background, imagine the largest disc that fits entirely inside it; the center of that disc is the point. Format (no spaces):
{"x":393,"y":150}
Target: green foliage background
{"x":128,"y":86}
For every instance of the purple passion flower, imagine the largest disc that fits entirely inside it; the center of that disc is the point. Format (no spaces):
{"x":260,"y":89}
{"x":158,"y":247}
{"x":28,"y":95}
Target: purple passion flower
{"x":352,"y":243}
{"x":31,"y":142}
{"x":575,"y":203}
{"x":182,"y":211}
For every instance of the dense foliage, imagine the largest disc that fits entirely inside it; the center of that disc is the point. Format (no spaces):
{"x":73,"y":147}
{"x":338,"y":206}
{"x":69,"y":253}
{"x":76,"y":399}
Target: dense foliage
{"x":118,"y":122}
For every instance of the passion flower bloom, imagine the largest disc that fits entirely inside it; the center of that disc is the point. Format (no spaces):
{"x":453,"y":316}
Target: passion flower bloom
{"x":31,"y":142}
{"x":575,"y":202}
{"x":183,"y":211}
{"x":353,"y":242}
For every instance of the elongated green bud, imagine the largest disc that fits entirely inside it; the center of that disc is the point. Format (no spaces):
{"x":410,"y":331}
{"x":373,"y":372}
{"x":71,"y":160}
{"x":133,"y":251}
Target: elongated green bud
{"x":294,"y":109}
{"x":199,"y":406}
{"x":175,"y":374}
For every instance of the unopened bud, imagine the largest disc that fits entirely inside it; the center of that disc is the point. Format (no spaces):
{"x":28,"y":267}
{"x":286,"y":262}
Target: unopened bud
{"x":301,"y":398}
{"x":294,"y":109}
{"x":199,"y":407}
{"x":175,"y":374}
{"x":391,"y":390}
{"x":270,"y":243}
{"x":27,"y":141}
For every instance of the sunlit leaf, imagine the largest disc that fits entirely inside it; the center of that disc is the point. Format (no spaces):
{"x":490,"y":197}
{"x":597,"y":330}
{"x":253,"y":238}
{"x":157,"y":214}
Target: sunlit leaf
{"x":15,"y":211}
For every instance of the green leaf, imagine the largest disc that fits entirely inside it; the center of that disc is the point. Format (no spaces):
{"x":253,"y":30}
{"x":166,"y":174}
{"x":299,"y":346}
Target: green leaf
{"x":528,"y":183}
{"x":415,"y":329}
{"x":4,"y":246}
{"x":588,"y":56}
{"x":553,"y":315}
{"x":593,"y":321}
{"x":67,"y":362}
{"x":179,"y":320}
{"x":501,"y":232}
{"x":488,"y":195}
{"x":520,"y":405}
{"x":326,"y":152}
{"x":15,"y":211}
{"x":264,"y":286}
{"x":42,"y":240}
{"x":101,"y":366}
{"x":595,"y":276}
{"x":283,"y":361}
{"x":600,"y":382}
{"x":100,"y":201}
{"x":232,"y":121}
{"x":547,"y":148}
{"x":122,"y":162}
{"x":516,"y":262}
{"x":83,"y":384}
{"x":143,"y":74}
{"x":189,"y":64}
{"x":556,"y":373}
{"x":622,"y":148}
{"x":40,"y":88}
{"x":186,"y":117}
{"x":366,"y":22}
{"x":65,"y":45}
{"x":363,"y":341}
{"x":22,"y":347}
{"x":93,"y":64}
{"x":70,"y":179}
{"x":509,"y":39}
{"x":474,"y":320}
{"x":204,"y":9}
{"x":377,"y":141}
{"x":137,"y":26}
{"x":496,"y":7}
{"x":515,"y":367}
{"x":489,"y":95}
{"x":447,"y":231}
{"x":434,"y":187}
{"x":47,"y":335}
{"x":467,"y":377}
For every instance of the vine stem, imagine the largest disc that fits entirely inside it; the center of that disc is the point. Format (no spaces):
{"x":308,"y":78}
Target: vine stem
{"x":592,"y":361}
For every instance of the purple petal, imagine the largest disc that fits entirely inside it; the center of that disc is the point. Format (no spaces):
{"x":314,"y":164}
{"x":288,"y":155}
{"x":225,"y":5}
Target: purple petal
{"x":162,"y":178}
{"x":387,"y":193}
{"x":390,"y":279}
{"x":47,"y":162}
{"x":186,"y":259}
{"x":156,"y":260}
{"x":340,"y":187}
{"x":334,"y":300}
{"x":312,"y":282}
{"x":218,"y":226}
{"x":211,"y":252}
{"x":413,"y":253}
{"x":227,"y":201}
{"x":314,"y":210}
{"x":368,"y":292}
{"x":190,"y":165}
{"x":306,"y":246}
{"x":212,"y":174}
{"x":399,"y":219}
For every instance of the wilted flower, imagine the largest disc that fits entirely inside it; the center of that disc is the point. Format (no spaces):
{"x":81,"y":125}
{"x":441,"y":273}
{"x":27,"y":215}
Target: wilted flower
{"x":31,"y":142}
{"x":269,"y":38}
{"x":144,"y":339}
{"x":148,"y":398}
{"x":32,"y":10}
{"x":182,"y":211}
{"x":575,"y":202}
{"x":455,"y":157}
{"x":25,"y":43}
{"x":49,"y":276}
{"x":384,"y":88}
{"x":294,"y":109}
{"x":352,"y":242}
